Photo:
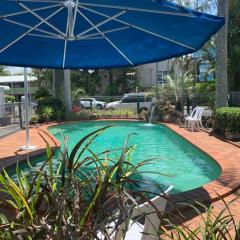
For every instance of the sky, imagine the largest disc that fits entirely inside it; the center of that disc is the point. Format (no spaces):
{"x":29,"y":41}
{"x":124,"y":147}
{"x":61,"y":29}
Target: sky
{"x":16,"y":70}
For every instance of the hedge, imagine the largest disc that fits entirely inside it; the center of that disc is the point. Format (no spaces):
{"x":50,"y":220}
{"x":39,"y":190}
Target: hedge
{"x":227,"y":118}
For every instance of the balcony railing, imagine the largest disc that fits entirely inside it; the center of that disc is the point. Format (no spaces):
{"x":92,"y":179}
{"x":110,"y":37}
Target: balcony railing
{"x":20,"y":91}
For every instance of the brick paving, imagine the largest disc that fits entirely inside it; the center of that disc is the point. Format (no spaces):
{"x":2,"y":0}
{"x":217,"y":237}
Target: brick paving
{"x":9,"y":145}
{"x":226,"y":187}
{"x":226,"y":155}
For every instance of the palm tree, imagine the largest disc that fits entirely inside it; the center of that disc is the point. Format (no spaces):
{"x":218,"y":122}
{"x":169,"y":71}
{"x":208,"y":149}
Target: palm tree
{"x":222,"y":58}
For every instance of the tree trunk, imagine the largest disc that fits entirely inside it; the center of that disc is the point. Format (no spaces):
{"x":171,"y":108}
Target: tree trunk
{"x":58,"y":83}
{"x":222,"y":57}
{"x":67,"y":90}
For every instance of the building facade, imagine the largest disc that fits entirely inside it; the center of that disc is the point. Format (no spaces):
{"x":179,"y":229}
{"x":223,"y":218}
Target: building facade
{"x":153,"y":74}
{"x":16,"y":85}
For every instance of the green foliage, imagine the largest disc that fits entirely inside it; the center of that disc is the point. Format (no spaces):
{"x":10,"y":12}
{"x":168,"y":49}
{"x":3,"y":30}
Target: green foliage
{"x":47,"y":113}
{"x":78,"y":200}
{"x":42,"y":92}
{"x":234,"y":45}
{"x":227,"y":118}
{"x":3,"y":72}
{"x":77,"y":93}
{"x":9,"y":98}
{"x":122,"y":80}
{"x":179,"y":84}
{"x":204,"y":93}
{"x":100,"y":114}
{"x":44,"y":77}
{"x":55,"y":103}
{"x":205,"y":87}
{"x":35,"y":118}
{"x":86,"y":80}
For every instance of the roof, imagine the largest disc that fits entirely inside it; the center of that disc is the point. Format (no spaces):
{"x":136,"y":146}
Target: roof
{"x":16,"y":79}
{"x":5,"y":87}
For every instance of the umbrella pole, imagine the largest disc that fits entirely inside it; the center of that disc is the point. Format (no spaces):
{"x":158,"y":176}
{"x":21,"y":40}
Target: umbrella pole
{"x":26,"y":93}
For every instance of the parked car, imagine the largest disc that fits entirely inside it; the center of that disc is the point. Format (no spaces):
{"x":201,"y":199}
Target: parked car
{"x":91,"y":103}
{"x":130,"y":101}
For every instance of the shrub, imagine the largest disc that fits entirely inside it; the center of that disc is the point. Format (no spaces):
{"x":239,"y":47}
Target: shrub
{"x":82,"y":114}
{"x":55,"y":103}
{"x":9,"y":98}
{"x":227,"y":118}
{"x":96,"y":114}
{"x":35,"y":118}
{"x":41,"y":93}
{"x":46,"y":113}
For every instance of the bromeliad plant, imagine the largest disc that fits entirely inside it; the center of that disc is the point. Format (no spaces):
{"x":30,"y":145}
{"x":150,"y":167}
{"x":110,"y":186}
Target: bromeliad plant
{"x":79,"y":200}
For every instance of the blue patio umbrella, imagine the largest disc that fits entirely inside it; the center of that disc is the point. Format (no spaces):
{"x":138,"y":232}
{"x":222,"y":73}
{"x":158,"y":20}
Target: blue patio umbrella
{"x":93,"y":34}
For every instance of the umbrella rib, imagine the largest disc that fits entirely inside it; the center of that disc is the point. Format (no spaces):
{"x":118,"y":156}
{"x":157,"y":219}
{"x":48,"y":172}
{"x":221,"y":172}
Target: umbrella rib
{"x":65,"y":45}
{"x":108,"y":31}
{"x":41,"y":18}
{"x":44,"y":36}
{"x":44,"y":1}
{"x":75,"y":15}
{"x":29,"y":31}
{"x":26,"y":11}
{"x":138,"y":9}
{"x":106,"y":38}
{"x":141,"y":29}
{"x":109,"y":18}
{"x":29,"y":27}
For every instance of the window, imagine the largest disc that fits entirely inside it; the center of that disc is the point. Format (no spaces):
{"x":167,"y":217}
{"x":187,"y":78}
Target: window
{"x":161,"y":77}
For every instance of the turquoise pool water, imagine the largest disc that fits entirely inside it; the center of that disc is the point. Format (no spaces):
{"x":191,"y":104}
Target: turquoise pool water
{"x":186,"y":166}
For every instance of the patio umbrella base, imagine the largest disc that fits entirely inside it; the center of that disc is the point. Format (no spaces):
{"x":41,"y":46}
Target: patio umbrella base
{"x":27,"y":148}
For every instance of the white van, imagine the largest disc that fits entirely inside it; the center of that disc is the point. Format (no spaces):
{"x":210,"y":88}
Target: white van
{"x":130,"y":101}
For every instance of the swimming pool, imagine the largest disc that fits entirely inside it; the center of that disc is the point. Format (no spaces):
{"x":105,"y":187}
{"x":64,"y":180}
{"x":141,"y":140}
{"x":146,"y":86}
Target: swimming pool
{"x":183,"y":165}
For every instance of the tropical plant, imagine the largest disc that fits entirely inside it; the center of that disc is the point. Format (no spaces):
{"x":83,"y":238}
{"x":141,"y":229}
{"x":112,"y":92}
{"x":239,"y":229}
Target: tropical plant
{"x":77,"y":200}
{"x":55,"y":103}
{"x":35,"y":118}
{"x":44,"y":77}
{"x":46,"y":113}
{"x":77,"y":93}
{"x":179,"y":86}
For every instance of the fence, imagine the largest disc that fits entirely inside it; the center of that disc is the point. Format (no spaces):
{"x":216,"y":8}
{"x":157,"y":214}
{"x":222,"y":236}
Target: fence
{"x":234,"y":99}
{"x":13,"y":114}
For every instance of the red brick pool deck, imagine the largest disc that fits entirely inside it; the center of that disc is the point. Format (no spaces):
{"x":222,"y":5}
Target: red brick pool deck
{"x":227,"y":155}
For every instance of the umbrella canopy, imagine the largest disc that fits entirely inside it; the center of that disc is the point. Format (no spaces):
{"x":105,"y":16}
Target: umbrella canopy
{"x":99,"y":33}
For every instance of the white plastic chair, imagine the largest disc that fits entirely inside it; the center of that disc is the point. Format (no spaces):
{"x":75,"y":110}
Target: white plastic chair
{"x":148,"y":230}
{"x":195,"y":121}
{"x":193,"y":113}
